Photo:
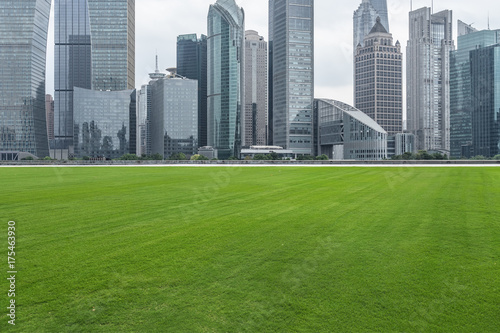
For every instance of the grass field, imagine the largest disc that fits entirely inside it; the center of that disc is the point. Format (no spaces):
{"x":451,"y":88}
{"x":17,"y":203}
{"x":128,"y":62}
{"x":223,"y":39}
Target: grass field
{"x":253,"y":249}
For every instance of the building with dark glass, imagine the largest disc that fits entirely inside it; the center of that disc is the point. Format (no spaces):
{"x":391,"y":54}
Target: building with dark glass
{"x":378,"y":87}
{"x":346,"y":133}
{"x":225,"y":47}
{"x":192,"y":64}
{"x":104,"y":123}
{"x":485,"y":81}
{"x":73,"y":67}
{"x":461,"y":89}
{"x":23,"y":47}
{"x":291,"y":29}
{"x":255,"y":113}
{"x":428,"y":78}
{"x":174,"y":116}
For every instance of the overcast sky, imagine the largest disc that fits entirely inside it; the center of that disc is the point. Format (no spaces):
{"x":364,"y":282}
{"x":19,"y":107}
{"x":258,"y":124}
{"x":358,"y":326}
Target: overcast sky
{"x":159,"y":22}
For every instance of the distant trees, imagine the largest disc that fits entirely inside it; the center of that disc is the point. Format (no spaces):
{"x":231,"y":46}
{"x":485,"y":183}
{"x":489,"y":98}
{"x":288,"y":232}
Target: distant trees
{"x":421,"y":155}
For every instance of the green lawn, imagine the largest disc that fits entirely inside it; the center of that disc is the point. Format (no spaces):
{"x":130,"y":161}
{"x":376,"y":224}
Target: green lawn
{"x":278,"y":249}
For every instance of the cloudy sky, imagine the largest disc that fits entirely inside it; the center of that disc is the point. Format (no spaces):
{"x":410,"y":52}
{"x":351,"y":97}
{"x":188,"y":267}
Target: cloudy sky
{"x":159,"y":22}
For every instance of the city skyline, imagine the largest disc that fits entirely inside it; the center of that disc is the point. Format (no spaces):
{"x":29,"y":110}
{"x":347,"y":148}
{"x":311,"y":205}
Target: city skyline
{"x":330,"y":81}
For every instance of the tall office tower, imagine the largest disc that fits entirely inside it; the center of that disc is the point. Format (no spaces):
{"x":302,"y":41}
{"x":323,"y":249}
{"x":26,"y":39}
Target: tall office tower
{"x":485,"y":80}
{"x":365,"y":18}
{"x":378,"y":72}
{"x":270,"y":98}
{"x":292,"y":34}
{"x":143,"y":114}
{"x":23,"y":45}
{"x":49,"y":111}
{"x":461,"y":101}
{"x":73,"y":67}
{"x":428,"y":78}
{"x":94,"y":49}
{"x":192,"y":63}
{"x":226,"y":27}
{"x":112,"y":27}
{"x":255,"y":130}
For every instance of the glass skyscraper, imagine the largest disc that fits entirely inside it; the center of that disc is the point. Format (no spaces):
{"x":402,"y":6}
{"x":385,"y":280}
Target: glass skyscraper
{"x":461,"y":102}
{"x":365,"y":17}
{"x":23,"y":45}
{"x":94,"y":49}
{"x":226,"y":28}
{"x":428,"y":78}
{"x":255,"y":130}
{"x":73,"y":66}
{"x":192,"y":63}
{"x":485,"y":80}
{"x":291,"y":30}
{"x":112,"y":27}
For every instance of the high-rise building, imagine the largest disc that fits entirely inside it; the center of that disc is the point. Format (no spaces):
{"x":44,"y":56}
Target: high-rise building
{"x":73,"y":67}
{"x":112,"y":28}
{"x":49,"y":111}
{"x":94,"y":49}
{"x":365,"y":17}
{"x":428,"y":78}
{"x":23,"y":45}
{"x":378,"y":87}
{"x":270,"y":95}
{"x":105,"y":123}
{"x":292,"y":35}
{"x":485,"y":82}
{"x":255,"y":130}
{"x":461,"y":101}
{"x":226,"y":28}
{"x":143,"y":123}
{"x":174,"y":116}
{"x":192,"y":64}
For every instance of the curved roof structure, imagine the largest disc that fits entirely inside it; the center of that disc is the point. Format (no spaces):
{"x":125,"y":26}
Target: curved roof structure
{"x":355,"y":113}
{"x":231,"y":11}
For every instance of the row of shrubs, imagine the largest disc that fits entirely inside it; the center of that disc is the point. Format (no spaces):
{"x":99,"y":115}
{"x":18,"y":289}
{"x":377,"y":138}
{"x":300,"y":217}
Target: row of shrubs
{"x":423,"y":155}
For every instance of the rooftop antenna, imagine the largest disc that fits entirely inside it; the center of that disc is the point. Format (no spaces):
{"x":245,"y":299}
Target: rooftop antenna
{"x":488,"y":20}
{"x":411,"y":5}
{"x":432,"y":6}
{"x":157,"y":70}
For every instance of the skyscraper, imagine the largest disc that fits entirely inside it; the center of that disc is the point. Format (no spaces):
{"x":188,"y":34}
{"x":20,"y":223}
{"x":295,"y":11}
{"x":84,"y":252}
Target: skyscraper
{"x":292,"y":36}
{"x":94,"y":49}
{"x":49,"y":111}
{"x":428,"y":78}
{"x":112,"y":27}
{"x":461,"y":101}
{"x":23,"y":45}
{"x":365,"y":17}
{"x":192,"y":63}
{"x":73,"y":67}
{"x":378,"y":86}
{"x":226,"y":27}
{"x":255,"y":130}
{"x":485,"y":80}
